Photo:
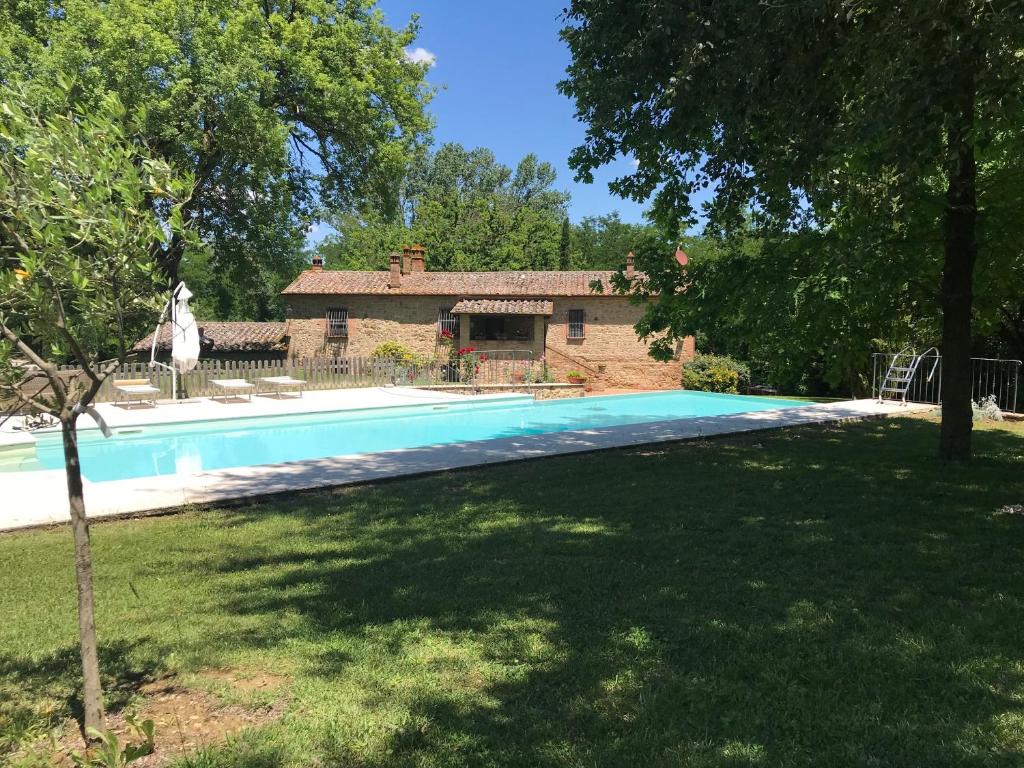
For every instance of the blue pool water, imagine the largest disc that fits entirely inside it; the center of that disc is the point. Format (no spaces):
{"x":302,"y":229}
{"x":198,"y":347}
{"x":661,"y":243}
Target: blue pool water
{"x":199,"y":446}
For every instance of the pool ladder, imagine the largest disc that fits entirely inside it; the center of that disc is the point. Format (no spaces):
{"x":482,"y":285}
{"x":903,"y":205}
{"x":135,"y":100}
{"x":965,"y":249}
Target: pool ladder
{"x":901,"y":372}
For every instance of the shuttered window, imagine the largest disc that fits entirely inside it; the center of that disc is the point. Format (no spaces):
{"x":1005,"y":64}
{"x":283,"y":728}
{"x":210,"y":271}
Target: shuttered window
{"x":337,"y":323}
{"x":577,"y":324}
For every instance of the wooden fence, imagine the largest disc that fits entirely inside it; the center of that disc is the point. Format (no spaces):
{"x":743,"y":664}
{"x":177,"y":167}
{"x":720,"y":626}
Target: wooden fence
{"x":318,"y":373}
{"x":326,"y":373}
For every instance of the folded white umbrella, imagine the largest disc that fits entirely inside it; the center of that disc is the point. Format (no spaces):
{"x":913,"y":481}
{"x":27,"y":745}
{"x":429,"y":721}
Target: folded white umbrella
{"x":185,"y":332}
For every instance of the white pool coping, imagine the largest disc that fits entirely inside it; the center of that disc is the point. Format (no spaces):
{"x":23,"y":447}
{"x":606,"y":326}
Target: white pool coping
{"x":38,"y":498}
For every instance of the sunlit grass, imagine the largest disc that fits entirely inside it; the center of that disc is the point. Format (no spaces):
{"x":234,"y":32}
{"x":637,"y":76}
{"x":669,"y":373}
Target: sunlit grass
{"x":811,"y":597}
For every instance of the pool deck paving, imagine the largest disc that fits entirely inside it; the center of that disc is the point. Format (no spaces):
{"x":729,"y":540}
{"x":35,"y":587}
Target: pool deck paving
{"x":38,"y":498}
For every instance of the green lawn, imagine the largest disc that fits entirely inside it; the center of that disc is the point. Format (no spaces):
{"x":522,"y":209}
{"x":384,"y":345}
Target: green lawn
{"x":815,"y":597}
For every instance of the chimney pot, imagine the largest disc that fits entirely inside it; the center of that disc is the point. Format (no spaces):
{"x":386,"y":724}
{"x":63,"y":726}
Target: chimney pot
{"x":395,"y":280}
{"x":317,"y":263}
{"x":419,"y":258}
{"x":406,"y":260}
{"x":630,"y":271}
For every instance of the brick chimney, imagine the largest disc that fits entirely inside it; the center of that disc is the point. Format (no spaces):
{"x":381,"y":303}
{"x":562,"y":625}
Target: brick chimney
{"x":419,"y":258}
{"x":318,"y":263}
{"x":630,"y":271}
{"x":406,"y":260}
{"x":396,"y":271}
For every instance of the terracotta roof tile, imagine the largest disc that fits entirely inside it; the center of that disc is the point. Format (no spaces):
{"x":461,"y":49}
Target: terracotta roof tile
{"x":227,"y":337}
{"x":503,"y":307}
{"x":491,"y":284}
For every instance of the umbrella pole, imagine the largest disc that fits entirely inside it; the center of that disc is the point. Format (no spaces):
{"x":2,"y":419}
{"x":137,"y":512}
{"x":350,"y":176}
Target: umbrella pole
{"x":174,"y":324}
{"x":156,"y":340}
{"x":171,"y":309}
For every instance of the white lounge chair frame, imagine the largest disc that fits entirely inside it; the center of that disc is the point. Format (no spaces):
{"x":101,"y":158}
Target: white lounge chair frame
{"x":141,"y":389}
{"x":232,"y":386}
{"x":284,"y":382}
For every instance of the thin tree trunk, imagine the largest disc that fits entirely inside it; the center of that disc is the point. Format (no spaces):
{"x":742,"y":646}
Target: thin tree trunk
{"x":961,"y":249}
{"x":92,"y":692}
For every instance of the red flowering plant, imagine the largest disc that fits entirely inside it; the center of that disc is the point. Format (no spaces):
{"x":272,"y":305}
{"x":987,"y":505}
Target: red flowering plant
{"x":469,"y":365}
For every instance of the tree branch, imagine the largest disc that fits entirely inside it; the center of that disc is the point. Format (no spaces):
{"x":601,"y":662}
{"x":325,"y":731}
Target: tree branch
{"x":76,"y":349}
{"x":26,"y":350}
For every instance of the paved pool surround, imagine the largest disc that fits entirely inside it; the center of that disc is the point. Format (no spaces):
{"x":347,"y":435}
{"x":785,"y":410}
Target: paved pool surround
{"x":38,"y":498}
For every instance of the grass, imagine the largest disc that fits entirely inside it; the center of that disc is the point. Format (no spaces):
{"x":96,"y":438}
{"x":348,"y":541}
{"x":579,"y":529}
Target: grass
{"x":810,"y":597}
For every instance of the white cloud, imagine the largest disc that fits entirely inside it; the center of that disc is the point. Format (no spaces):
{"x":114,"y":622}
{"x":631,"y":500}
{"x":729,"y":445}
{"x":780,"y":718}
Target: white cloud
{"x":421,"y":56}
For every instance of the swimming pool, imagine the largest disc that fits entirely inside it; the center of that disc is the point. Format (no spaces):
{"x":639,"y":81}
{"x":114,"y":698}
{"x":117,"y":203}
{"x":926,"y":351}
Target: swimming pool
{"x":199,"y":446}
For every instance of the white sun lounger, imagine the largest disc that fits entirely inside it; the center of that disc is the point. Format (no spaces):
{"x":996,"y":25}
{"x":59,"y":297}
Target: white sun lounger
{"x":141,"y":389}
{"x":232,"y":386}
{"x":284,"y":382}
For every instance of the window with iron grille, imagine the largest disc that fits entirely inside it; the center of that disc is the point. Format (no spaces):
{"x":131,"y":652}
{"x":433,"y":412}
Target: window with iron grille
{"x":446,"y":321}
{"x":577,"y":326}
{"x":337,"y":323}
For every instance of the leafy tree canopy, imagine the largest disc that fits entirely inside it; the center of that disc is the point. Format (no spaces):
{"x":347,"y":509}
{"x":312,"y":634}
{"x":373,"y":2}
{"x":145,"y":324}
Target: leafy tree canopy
{"x":885,"y":134}
{"x":275,"y":107}
{"x":468,"y":210}
{"x":602,"y":242}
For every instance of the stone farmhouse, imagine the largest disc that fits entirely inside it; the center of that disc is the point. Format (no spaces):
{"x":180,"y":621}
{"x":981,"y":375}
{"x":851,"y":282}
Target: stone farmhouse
{"x":555,"y":315}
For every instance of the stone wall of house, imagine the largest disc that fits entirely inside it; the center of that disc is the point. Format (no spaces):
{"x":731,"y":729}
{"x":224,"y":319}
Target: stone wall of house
{"x":409,"y":320}
{"x":610,"y":355}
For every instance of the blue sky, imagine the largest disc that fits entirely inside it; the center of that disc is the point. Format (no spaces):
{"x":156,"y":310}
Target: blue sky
{"x":496,"y":65}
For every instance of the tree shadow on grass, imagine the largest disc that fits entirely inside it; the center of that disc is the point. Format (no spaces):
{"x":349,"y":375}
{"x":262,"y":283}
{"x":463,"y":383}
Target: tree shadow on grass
{"x":57,"y":677}
{"x":809,"y":597}
{"x":804,"y":598}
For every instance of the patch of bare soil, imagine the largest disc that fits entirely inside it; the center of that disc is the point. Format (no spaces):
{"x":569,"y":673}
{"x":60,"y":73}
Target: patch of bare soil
{"x":245,"y":680}
{"x":185,"y":719}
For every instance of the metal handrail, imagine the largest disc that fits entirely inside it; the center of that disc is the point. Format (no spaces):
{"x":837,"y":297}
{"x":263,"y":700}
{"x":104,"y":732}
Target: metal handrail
{"x":491,"y":354}
{"x":935,"y":365}
{"x":989,"y":375}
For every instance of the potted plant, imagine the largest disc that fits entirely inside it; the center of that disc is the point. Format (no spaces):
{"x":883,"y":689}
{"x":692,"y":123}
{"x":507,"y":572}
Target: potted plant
{"x":575,"y":377}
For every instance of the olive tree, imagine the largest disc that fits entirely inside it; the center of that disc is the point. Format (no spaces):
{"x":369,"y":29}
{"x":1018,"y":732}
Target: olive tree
{"x":77,"y":279}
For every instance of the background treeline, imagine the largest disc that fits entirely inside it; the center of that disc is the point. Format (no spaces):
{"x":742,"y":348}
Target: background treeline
{"x":267,"y":111}
{"x":473,"y":213}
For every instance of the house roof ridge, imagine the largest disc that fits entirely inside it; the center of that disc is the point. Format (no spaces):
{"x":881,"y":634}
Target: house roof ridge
{"x":490,"y":283}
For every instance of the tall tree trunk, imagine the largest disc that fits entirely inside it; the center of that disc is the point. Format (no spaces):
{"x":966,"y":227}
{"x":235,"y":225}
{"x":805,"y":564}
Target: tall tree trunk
{"x":961,"y":249}
{"x":92,"y":692}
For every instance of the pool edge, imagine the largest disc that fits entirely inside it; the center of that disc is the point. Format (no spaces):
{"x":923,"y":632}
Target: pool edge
{"x":165,"y":494}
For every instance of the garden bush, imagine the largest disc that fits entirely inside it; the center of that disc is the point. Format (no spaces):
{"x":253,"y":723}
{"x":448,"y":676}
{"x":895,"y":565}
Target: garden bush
{"x":715,"y":373}
{"x":392,"y":350}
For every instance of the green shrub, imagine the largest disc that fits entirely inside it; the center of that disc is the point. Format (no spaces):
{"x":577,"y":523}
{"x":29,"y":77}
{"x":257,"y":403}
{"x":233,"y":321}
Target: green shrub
{"x":715,"y":373}
{"x":392,"y":350}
